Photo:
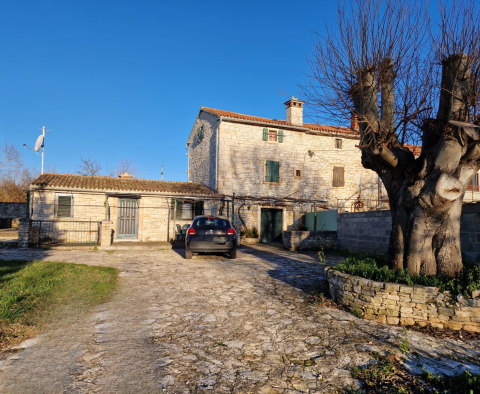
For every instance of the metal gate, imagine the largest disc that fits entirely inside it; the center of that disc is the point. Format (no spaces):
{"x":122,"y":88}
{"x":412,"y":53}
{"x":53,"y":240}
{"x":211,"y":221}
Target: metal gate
{"x":127,"y":218}
{"x":53,"y":232}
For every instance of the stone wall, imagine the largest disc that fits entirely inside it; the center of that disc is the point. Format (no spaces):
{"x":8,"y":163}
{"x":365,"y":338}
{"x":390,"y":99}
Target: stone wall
{"x":203,"y":152}
{"x":309,"y":240}
{"x":11,"y":212}
{"x":470,"y":232}
{"x":243,"y":154}
{"x":370,"y":231}
{"x":400,"y":304}
{"x":364,"y":231}
{"x":155,"y":221}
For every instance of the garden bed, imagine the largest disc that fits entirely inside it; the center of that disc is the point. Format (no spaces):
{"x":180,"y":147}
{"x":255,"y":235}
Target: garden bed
{"x":395,"y":303}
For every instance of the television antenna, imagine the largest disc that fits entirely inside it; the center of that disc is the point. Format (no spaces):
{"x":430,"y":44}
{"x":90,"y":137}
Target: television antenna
{"x":39,"y":144}
{"x":161,"y":178}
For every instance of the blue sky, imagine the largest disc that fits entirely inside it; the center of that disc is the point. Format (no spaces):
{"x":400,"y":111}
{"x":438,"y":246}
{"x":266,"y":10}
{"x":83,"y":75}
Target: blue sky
{"x":117,"y":78}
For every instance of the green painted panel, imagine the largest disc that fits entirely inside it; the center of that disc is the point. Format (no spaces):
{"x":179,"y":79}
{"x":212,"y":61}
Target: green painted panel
{"x":326,"y":220}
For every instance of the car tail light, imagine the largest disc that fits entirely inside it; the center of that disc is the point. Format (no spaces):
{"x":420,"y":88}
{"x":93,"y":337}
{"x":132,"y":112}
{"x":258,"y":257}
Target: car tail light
{"x":191,"y":231}
{"x":231,"y":231}
{"x":211,"y":217}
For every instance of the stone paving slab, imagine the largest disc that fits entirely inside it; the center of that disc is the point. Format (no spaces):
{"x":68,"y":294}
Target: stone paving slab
{"x":211,"y":324}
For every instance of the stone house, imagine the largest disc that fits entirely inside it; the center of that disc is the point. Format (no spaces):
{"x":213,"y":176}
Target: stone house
{"x":261,"y":158}
{"x":138,"y":209}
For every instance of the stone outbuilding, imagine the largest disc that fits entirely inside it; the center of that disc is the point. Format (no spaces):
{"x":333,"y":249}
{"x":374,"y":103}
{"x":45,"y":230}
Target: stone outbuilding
{"x":66,"y":205}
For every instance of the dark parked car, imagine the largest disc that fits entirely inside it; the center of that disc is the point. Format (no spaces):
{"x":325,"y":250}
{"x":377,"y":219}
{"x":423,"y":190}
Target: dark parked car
{"x":211,"y":234}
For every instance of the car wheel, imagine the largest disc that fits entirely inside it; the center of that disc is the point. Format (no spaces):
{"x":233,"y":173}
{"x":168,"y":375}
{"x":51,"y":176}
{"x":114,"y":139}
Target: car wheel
{"x":233,"y":254}
{"x":188,"y":255}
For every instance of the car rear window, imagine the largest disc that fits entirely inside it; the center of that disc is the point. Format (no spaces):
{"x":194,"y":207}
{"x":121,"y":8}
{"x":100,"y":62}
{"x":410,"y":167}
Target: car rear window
{"x":208,"y":222}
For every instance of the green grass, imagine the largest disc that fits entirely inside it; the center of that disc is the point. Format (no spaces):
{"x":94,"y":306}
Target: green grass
{"x":32,"y":292}
{"x":375,"y":268}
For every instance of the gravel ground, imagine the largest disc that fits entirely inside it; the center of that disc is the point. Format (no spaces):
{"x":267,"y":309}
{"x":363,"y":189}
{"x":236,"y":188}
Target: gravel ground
{"x":211,"y":324}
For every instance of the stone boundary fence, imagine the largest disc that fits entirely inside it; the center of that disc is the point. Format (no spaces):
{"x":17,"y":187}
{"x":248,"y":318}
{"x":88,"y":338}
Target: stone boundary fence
{"x":11,"y":213}
{"x":401,"y":304}
{"x":309,"y":240}
{"x":370,"y":231}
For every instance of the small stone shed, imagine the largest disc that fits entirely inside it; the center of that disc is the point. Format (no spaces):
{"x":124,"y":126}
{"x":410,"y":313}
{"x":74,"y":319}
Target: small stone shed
{"x":138,"y":209}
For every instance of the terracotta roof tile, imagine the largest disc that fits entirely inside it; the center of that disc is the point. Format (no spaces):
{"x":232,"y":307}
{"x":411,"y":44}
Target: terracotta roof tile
{"x":310,"y":126}
{"x":106,"y":183}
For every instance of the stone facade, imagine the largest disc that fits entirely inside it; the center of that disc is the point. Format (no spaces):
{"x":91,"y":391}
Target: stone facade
{"x":203,"y":150}
{"x":155,"y":221}
{"x":239,"y":166}
{"x":309,"y":240}
{"x":400,"y":304}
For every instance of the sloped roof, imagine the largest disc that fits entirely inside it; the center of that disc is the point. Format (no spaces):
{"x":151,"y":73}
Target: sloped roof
{"x":106,"y":183}
{"x":415,"y":149}
{"x":306,"y":126}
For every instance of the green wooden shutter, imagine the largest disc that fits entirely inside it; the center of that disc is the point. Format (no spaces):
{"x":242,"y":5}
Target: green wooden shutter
{"x":280,"y":135}
{"x":272,"y":171}
{"x":276,"y":171}
{"x":268,"y":171}
{"x":265,"y":134}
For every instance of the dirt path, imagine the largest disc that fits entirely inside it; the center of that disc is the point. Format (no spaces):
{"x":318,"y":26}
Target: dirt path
{"x":210,"y":324}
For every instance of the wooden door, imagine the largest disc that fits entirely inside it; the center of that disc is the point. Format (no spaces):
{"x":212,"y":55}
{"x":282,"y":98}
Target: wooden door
{"x":271,"y":225}
{"x":127,"y":218}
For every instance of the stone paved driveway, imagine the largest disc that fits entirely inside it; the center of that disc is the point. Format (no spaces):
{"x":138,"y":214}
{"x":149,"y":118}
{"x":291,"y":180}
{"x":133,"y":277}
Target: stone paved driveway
{"x":210,"y":325}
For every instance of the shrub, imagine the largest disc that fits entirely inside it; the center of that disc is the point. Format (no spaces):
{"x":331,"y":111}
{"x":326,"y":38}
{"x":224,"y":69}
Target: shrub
{"x":376,"y":269}
{"x":249,"y":233}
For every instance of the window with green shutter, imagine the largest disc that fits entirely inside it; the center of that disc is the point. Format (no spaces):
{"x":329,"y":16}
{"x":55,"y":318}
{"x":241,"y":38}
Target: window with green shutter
{"x":280,"y":135}
{"x":265,"y":134}
{"x":272,"y":171}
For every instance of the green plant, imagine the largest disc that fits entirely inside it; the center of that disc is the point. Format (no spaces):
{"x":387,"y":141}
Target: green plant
{"x":95,"y":248}
{"x":249,"y":233}
{"x":357,"y":313}
{"x":404,"y":346}
{"x":466,"y":382}
{"x":321,"y":257}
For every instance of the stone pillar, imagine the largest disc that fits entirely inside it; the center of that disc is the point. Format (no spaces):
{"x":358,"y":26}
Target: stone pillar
{"x":23,"y":228}
{"x":106,"y":233}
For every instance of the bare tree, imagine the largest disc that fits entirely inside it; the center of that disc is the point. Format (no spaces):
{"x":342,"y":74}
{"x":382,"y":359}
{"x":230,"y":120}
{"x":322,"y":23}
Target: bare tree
{"x":88,"y":167}
{"x":124,"y":166}
{"x":10,"y":157}
{"x":389,"y":66}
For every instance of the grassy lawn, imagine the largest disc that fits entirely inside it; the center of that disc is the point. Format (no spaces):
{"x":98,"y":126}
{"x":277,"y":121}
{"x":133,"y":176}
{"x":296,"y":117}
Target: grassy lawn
{"x":32,"y":293}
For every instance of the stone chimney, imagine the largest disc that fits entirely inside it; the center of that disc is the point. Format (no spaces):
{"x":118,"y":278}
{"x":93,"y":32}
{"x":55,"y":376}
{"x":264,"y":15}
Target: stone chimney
{"x":125,"y":175}
{"x":354,"y":121}
{"x":295,"y":111}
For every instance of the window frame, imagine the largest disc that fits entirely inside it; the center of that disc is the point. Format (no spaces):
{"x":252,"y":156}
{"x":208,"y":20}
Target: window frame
{"x":333,"y":176}
{"x":72,"y":199}
{"x":340,"y":140}
{"x":276,"y":136}
{"x":295,"y":174}
{"x":265,"y":173}
{"x":180,"y":211}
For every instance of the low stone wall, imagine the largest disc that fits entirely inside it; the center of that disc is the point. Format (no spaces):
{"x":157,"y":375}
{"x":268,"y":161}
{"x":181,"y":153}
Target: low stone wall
{"x":401,"y":304}
{"x":309,"y":240}
{"x":11,"y":213}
